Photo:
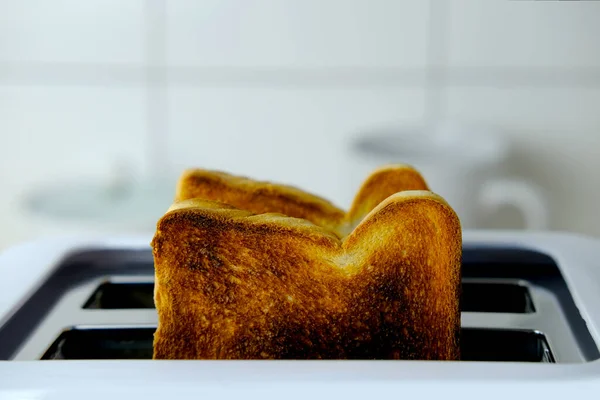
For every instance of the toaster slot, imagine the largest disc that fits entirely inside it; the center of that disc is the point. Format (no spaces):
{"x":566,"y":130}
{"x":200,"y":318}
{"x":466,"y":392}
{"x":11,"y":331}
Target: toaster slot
{"x":485,"y":296}
{"x":477,"y":296}
{"x":102,"y":344}
{"x":120,"y":343}
{"x":113,"y":295}
{"x":478,"y":344}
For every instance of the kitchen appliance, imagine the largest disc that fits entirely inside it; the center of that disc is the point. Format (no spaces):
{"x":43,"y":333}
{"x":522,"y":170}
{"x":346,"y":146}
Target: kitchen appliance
{"x":77,"y":319}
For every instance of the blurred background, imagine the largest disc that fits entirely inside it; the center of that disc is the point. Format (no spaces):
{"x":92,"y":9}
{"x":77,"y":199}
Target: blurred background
{"x":104,"y":102}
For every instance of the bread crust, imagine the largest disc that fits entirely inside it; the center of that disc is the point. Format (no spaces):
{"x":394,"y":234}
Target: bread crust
{"x":266,"y":197}
{"x":233,"y":284}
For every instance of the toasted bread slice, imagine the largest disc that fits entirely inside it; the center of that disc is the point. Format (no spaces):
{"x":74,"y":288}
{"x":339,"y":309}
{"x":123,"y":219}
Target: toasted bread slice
{"x":265,"y":197}
{"x":234,"y":285}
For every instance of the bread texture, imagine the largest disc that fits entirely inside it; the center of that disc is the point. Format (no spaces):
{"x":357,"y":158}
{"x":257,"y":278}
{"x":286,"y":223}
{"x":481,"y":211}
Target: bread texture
{"x":265,"y":197}
{"x":267,"y":272}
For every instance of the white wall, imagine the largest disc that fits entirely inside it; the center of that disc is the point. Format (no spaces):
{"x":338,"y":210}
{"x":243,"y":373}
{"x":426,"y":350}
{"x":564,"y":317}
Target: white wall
{"x":275,"y":88}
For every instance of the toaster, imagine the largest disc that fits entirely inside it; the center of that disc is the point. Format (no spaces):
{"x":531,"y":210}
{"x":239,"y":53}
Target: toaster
{"x":77,"y":319}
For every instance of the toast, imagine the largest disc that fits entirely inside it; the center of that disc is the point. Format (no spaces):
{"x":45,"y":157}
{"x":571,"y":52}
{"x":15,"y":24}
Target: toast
{"x":266,"y":197}
{"x":231,"y":284}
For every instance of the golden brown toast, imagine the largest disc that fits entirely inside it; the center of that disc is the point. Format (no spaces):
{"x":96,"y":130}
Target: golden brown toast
{"x":234,"y":285}
{"x":265,"y":197}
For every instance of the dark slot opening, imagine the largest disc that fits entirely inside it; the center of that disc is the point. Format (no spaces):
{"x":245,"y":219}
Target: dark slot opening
{"x":496,"y":298}
{"x":102,"y":344}
{"x":136,"y":343}
{"x":476,"y":296}
{"x":504,"y":345}
{"x":122,"y":296}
